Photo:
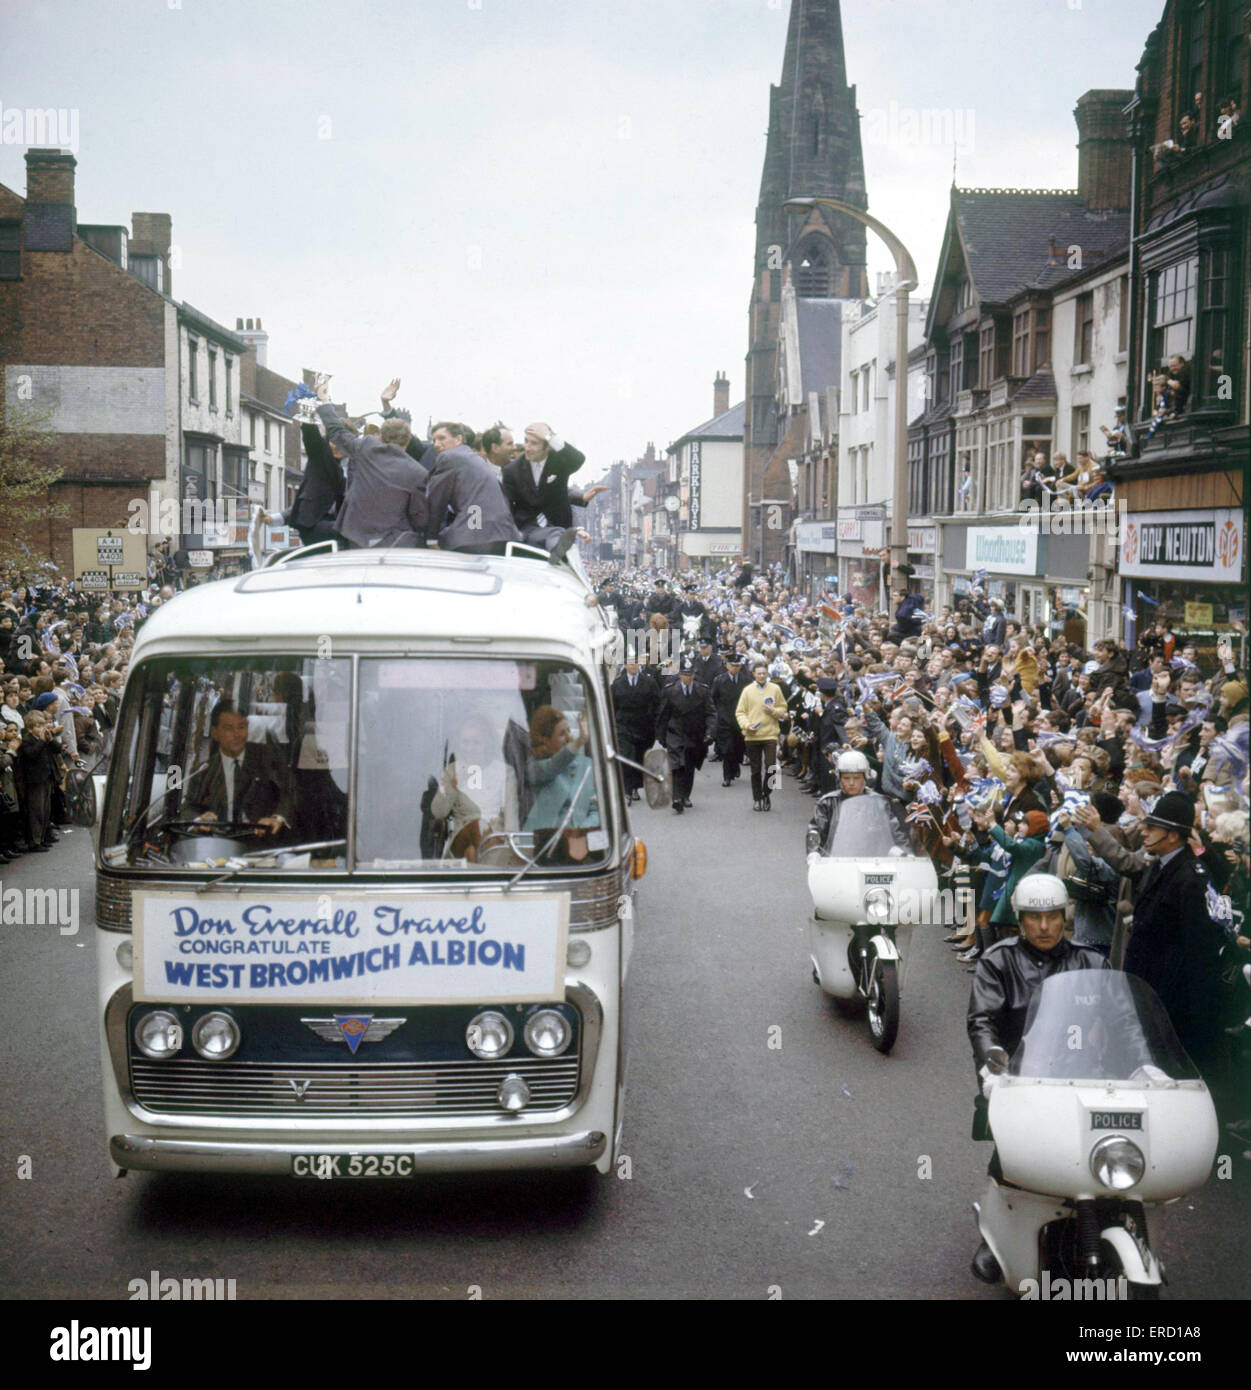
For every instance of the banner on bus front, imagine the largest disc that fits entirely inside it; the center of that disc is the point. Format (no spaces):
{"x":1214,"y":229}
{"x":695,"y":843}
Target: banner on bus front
{"x":375,"y":948}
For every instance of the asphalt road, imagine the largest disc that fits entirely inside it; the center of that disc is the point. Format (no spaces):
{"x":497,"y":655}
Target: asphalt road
{"x":809,"y":1168}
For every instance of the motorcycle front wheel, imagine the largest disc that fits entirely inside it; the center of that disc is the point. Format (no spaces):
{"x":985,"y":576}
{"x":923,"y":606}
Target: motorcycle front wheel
{"x":1134,"y":1293}
{"x":883,"y":1004}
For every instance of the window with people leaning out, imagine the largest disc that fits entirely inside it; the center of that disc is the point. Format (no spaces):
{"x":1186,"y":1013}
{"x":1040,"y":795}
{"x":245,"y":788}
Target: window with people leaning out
{"x":358,"y":764}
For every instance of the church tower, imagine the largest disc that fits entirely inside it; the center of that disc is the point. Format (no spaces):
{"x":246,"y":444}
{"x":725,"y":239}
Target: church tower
{"x":813,"y":149}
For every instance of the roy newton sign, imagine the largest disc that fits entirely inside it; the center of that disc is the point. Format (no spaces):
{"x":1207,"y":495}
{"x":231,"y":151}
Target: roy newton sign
{"x":1183,"y":545}
{"x":379,"y":948}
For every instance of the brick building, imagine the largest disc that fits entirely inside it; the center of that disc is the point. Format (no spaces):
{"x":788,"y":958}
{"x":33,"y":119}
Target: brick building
{"x":1025,"y":350}
{"x":1183,"y":555}
{"x":87,"y":338}
{"x":150,"y":400}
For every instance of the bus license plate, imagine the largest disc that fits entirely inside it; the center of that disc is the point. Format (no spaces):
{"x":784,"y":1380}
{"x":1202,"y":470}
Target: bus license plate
{"x":352,"y":1166}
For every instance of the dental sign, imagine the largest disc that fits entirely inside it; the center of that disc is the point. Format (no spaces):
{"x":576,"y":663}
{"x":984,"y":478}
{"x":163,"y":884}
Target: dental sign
{"x":274,"y":948}
{"x":1002,"y":549}
{"x":1183,"y":545}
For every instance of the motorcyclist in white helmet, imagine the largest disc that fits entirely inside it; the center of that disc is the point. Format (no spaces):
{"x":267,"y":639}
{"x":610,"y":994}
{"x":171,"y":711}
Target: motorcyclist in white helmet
{"x":853,"y":773}
{"x":1006,"y":978}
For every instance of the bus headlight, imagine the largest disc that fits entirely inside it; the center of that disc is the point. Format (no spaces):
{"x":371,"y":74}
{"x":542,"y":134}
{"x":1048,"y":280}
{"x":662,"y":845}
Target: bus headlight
{"x":489,"y":1035}
{"x":1117,"y":1163}
{"x":158,"y":1035}
{"x":879,"y":906}
{"x":216,"y":1037}
{"x":547,"y":1033}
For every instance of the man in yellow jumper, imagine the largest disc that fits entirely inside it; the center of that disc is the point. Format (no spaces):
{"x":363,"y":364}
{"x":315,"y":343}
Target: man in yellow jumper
{"x":760,"y":707}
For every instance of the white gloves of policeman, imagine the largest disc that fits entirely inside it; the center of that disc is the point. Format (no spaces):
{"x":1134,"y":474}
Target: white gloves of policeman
{"x":993,"y":1070}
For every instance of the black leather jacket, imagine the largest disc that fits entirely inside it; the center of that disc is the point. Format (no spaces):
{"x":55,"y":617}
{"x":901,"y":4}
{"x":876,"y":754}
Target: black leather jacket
{"x":1006,"y":979}
{"x":825,"y":815}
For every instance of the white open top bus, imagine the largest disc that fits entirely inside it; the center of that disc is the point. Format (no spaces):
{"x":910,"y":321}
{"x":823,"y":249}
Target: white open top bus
{"x":365,"y":874}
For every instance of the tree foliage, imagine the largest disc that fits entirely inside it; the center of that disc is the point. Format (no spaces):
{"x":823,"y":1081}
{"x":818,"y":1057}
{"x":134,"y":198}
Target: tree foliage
{"x":26,"y":480}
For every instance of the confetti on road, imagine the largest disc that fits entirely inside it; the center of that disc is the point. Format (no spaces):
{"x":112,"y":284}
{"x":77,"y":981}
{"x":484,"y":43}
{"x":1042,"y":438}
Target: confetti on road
{"x":848,"y":1094}
{"x":747,"y":1192}
{"x":816,"y":1228}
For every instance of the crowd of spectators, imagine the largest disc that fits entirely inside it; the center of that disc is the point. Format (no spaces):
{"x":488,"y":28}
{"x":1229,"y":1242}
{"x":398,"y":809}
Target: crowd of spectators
{"x":1013,"y":748}
{"x":63,"y":659}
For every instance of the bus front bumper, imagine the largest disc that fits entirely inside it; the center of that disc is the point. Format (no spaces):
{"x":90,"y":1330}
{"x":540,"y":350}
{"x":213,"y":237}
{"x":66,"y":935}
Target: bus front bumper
{"x":485,"y":1156}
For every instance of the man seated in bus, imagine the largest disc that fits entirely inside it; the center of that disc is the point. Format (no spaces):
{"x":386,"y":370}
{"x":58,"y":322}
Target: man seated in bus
{"x":242,"y":783}
{"x":318,"y":788}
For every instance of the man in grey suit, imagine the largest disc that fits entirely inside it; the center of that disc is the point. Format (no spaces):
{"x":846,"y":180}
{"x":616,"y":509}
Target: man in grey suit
{"x":463,"y":483}
{"x":385,"y":500}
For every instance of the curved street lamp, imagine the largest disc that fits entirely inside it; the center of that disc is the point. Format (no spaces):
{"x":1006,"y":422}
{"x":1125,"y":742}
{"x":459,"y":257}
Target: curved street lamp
{"x":905,"y":280}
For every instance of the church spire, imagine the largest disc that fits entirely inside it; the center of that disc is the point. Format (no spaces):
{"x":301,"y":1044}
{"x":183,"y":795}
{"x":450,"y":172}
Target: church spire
{"x":813,"y":150}
{"x":814,"y":143}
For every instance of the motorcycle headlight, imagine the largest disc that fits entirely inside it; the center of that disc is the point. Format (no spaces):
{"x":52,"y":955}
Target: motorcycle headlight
{"x":158,"y":1035}
{"x":1117,"y":1163}
{"x":547,"y":1033}
{"x":489,"y":1035}
{"x":879,"y":906}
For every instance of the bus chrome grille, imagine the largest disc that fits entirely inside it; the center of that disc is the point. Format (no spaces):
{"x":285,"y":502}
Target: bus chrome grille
{"x":401,"y":1090}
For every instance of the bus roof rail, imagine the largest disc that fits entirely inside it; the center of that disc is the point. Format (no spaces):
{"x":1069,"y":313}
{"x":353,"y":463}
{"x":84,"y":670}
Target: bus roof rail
{"x":284,"y":557}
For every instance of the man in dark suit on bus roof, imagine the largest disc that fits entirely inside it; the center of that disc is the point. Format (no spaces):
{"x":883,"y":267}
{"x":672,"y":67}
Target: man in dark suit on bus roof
{"x":536,"y":486}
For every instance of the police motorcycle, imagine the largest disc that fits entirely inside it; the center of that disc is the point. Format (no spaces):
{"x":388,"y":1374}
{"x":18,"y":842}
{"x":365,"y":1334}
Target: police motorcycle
{"x":1097,"y":1112}
{"x":869,"y":887}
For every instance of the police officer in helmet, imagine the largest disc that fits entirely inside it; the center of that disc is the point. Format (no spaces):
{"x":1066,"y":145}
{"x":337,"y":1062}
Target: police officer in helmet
{"x":1006,"y":979}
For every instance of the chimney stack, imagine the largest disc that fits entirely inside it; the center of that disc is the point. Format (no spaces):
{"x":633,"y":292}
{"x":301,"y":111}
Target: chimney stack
{"x":1104,"y":150}
{"x":151,"y":235}
{"x":50,"y":176}
{"x":256,"y":337}
{"x":720,"y":394}
{"x":49,"y":218}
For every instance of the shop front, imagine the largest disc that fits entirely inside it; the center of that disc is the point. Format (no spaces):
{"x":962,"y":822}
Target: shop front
{"x":707,"y":550}
{"x":1188,"y":568}
{"x":816,"y":549}
{"x":1041,"y":579}
{"x":922,"y":551}
{"x":863,"y":560}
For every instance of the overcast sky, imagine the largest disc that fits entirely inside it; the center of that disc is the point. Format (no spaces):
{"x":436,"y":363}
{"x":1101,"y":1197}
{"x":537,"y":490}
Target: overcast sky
{"x":527,"y":209}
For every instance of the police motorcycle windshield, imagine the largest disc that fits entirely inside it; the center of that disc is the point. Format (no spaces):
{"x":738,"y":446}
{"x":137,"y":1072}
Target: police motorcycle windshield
{"x":1099,"y":1025}
{"x":864,"y":827}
